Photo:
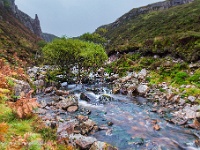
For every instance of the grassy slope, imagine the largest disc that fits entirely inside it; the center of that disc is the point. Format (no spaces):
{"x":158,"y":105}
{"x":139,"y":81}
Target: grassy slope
{"x":18,"y":46}
{"x":16,"y":38}
{"x":176,"y":30}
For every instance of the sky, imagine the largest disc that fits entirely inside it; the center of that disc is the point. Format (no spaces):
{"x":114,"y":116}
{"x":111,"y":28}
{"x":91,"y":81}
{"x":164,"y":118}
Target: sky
{"x":72,"y":18}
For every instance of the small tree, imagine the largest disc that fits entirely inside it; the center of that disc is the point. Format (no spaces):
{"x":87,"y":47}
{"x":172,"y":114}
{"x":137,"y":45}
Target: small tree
{"x":67,"y":53}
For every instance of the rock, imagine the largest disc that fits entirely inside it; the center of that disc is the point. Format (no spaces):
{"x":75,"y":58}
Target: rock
{"x":61,"y":92}
{"x":71,"y":100}
{"x":89,"y":123}
{"x":82,"y":141}
{"x":64,"y":84}
{"x":131,"y":88}
{"x":156,"y":127}
{"x":66,"y":127}
{"x":82,"y":118}
{"x":21,"y":87}
{"x":195,"y":124}
{"x":136,"y":141}
{"x":142,"y":74}
{"x":84,"y":97}
{"x":110,"y":123}
{"x":116,"y":90}
{"x":102,"y":146}
{"x":72,"y":109}
{"x":103,"y":99}
{"x":49,"y":89}
{"x":142,"y":89}
{"x":191,"y":98}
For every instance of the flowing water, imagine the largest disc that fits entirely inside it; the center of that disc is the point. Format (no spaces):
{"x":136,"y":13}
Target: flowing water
{"x":132,"y":121}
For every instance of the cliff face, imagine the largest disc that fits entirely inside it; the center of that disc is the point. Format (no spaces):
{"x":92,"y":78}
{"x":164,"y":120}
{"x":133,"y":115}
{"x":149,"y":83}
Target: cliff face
{"x":31,"y":24}
{"x":146,"y":9}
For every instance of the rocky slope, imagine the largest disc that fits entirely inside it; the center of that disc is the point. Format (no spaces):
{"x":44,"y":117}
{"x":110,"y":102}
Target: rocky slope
{"x":32,"y":24}
{"x":169,"y":27}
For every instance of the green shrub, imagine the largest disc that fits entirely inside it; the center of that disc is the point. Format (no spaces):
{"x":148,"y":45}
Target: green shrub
{"x":180,"y":78}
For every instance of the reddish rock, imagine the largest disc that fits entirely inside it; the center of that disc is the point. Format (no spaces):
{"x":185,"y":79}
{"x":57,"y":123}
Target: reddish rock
{"x":61,"y":92}
{"x":49,"y":89}
{"x":156,"y":127}
{"x":82,"y":118}
{"x":72,"y":109}
{"x":102,"y":146}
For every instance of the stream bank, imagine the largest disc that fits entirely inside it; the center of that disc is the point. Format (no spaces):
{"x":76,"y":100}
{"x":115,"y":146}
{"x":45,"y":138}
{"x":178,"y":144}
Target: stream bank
{"x":118,"y":113}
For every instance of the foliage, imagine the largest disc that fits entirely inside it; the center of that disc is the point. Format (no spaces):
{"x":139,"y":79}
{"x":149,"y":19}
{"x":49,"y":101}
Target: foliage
{"x":3,"y":130}
{"x":94,"y":37}
{"x":67,"y":53}
{"x":173,"y":31}
{"x":24,"y":106}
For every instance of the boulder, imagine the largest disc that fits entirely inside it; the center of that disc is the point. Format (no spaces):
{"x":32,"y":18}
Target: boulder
{"x":49,"y":89}
{"x":82,"y":141}
{"x":142,"y":89}
{"x":102,"y":146}
{"x":72,"y":109}
{"x":103,"y":99}
{"x":82,"y":118}
{"x":61,"y":92}
{"x":142,"y":74}
{"x":191,"y":98}
{"x":84,"y":97}
{"x":71,"y":100}
{"x":21,"y":87}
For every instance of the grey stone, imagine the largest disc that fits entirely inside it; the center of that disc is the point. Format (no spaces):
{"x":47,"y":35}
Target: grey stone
{"x":191,"y":98}
{"x":82,"y":141}
{"x":142,"y":89}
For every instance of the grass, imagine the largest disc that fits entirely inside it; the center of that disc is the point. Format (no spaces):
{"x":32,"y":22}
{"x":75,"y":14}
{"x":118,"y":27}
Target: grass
{"x":173,"y":31}
{"x":160,"y":70}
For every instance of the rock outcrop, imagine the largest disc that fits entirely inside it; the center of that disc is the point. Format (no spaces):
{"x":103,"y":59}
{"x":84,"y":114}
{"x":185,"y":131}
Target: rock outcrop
{"x":32,"y":24}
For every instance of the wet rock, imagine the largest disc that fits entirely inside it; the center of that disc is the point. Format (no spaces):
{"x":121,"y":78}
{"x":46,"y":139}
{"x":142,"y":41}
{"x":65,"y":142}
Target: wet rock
{"x":82,"y":118}
{"x":109,"y":132}
{"x":64,"y":84}
{"x":156,"y":127}
{"x":110,"y":123}
{"x":62,"y":93}
{"x":191,"y":98}
{"x":49,"y":89}
{"x":197,"y":143}
{"x":136,"y":141}
{"x":142,"y":89}
{"x":82,"y":141}
{"x":103,"y":99}
{"x":84,"y":97}
{"x":89,"y":124}
{"x":195,"y":124}
{"x":116,"y":90}
{"x":102,"y":146}
{"x":103,"y":127}
{"x":72,"y":109}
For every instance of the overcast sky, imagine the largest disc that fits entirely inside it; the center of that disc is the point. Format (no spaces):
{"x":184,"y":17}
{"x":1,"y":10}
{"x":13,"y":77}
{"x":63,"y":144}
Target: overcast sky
{"x":75,"y":17}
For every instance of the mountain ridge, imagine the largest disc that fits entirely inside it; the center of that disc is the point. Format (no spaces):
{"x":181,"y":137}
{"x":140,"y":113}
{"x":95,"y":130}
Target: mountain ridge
{"x":173,"y":31}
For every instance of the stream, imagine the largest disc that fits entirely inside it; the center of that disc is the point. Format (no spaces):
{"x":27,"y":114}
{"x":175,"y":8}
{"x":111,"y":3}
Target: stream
{"x":129,"y":120}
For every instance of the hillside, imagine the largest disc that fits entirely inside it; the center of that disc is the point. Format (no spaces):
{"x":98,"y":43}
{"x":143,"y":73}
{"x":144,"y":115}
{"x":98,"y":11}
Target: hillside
{"x":158,"y":29}
{"x":16,"y":39}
